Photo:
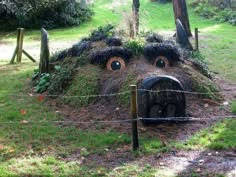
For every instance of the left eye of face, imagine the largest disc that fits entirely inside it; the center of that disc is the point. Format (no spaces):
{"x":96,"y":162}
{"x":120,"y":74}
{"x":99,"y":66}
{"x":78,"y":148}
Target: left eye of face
{"x":115,"y":63}
{"x":161,"y":62}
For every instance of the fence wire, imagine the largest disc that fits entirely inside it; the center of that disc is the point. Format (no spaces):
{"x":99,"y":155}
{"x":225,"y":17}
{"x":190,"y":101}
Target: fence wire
{"x":114,"y":94}
{"x":178,"y":119}
{"x":41,"y":97}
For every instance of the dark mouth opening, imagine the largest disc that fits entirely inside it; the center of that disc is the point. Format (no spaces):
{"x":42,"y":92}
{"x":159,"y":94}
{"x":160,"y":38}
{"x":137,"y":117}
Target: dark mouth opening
{"x":161,"y":98}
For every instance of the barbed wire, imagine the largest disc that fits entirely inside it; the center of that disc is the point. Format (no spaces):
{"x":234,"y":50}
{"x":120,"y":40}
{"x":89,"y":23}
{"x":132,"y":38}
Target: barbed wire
{"x":187,"y":92}
{"x":188,"y":118}
{"x":64,"y":96}
{"x":115,"y":94}
{"x":124,"y":120}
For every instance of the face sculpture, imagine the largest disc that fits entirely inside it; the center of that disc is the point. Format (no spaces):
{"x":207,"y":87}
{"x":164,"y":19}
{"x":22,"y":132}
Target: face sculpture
{"x":161,"y":71}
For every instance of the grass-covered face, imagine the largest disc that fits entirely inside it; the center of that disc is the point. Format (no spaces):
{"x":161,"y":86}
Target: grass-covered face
{"x":103,"y":64}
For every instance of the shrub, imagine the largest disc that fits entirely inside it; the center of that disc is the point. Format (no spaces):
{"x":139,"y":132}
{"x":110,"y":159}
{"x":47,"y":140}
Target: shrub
{"x":60,"y":79}
{"x":45,"y":13}
{"x":199,"y":62}
{"x":207,"y":10}
{"x":135,"y":46}
{"x":43,"y":83}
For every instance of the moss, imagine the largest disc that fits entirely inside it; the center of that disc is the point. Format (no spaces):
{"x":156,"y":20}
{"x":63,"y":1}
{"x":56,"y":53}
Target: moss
{"x":85,"y":83}
{"x":124,"y":99}
{"x":201,"y":84}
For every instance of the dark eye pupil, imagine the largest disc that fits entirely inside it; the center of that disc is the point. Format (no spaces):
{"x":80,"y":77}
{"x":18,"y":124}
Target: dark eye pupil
{"x":115,"y":65}
{"x":160,"y":63}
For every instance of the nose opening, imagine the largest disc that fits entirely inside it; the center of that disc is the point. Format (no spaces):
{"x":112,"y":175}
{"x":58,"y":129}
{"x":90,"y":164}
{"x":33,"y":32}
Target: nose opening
{"x":160,"y":97}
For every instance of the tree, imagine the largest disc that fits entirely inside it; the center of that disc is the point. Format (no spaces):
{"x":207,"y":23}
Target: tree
{"x":181,"y":13}
{"x":135,"y":9}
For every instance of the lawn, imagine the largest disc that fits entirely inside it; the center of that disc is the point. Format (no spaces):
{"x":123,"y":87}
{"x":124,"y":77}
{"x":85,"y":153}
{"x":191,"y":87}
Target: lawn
{"x":33,"y":142}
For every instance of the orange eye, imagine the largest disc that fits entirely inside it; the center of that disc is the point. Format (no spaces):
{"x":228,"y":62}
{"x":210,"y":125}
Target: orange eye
{"x":161,"y":62}
{"x":115,"y":63}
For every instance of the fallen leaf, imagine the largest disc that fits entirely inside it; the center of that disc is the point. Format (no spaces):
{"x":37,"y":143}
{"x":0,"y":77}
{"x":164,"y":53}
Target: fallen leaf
{"x":40,"y":98}
{"x":1,"y":147}
{"x":24,"y":122}
{"x":23,"y":112}
{"x":11,"y":150}
{"x":206,"y":105}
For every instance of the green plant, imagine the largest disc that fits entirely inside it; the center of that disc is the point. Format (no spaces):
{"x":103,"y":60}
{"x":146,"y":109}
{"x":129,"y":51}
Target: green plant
{"x":136,"y":46}
{"x":199,"y":62}
{"x":233,"y":107}
{"x":60,"y":79}
{"x":43,"y":83}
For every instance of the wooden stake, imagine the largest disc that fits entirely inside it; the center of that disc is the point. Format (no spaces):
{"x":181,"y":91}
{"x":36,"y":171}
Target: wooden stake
{"x":196,"y":40}
{"x":134,"y":113}
{"x":20,"y":38}
{"x":19,"y":48}
{"x":29,"y":56}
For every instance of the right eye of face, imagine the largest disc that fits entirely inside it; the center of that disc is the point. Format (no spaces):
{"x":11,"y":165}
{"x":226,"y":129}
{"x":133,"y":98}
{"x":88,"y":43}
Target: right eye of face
{"x":115,"y":63}
{"x":161,"y":62}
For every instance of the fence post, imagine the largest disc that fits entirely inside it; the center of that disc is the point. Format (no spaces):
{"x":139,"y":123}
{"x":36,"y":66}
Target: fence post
{"x":19,"y":48}
{"x":196,"y":40}
{"x":135,"y":141}
{"x":20,"y":39}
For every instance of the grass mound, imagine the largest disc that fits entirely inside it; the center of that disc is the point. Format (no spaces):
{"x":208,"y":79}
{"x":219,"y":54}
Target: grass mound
{"x":85,"y":83}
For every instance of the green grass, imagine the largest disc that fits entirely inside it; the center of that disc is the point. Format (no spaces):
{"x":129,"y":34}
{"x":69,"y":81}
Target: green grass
{"x":85,"y":84}
{"x":220,"y":136}
{"x":36,"y":147}
{"x":233,"y":106}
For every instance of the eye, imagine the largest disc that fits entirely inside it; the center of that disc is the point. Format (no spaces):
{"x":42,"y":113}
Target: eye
{"x":161,"y":62}
{"x":115,"y":63}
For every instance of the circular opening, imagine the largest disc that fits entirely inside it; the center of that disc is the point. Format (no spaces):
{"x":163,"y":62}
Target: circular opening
{"x":115,"y":63}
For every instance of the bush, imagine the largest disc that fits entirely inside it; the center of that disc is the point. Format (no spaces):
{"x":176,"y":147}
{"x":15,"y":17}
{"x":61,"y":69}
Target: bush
{"x":43,"y":83}
{"x":44,"y":13}
{"x":60,"y":79}
{"x":203,"y":8}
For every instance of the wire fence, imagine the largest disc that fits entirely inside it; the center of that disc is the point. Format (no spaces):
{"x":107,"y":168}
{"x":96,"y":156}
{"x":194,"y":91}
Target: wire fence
{"x":41,"y":97}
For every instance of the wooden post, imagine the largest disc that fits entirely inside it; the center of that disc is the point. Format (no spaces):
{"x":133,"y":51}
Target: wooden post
{"x":20,"y":38}
{"x":44,"y":53}
{"x":196,"y":40}
{"x":134,"y":114}
{"x":19,"y":48}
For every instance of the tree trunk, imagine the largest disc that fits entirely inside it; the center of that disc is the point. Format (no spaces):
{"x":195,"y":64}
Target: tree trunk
{"x":181,"y":13}
{"x":44,"y":54}
{"x":135,"y":9}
